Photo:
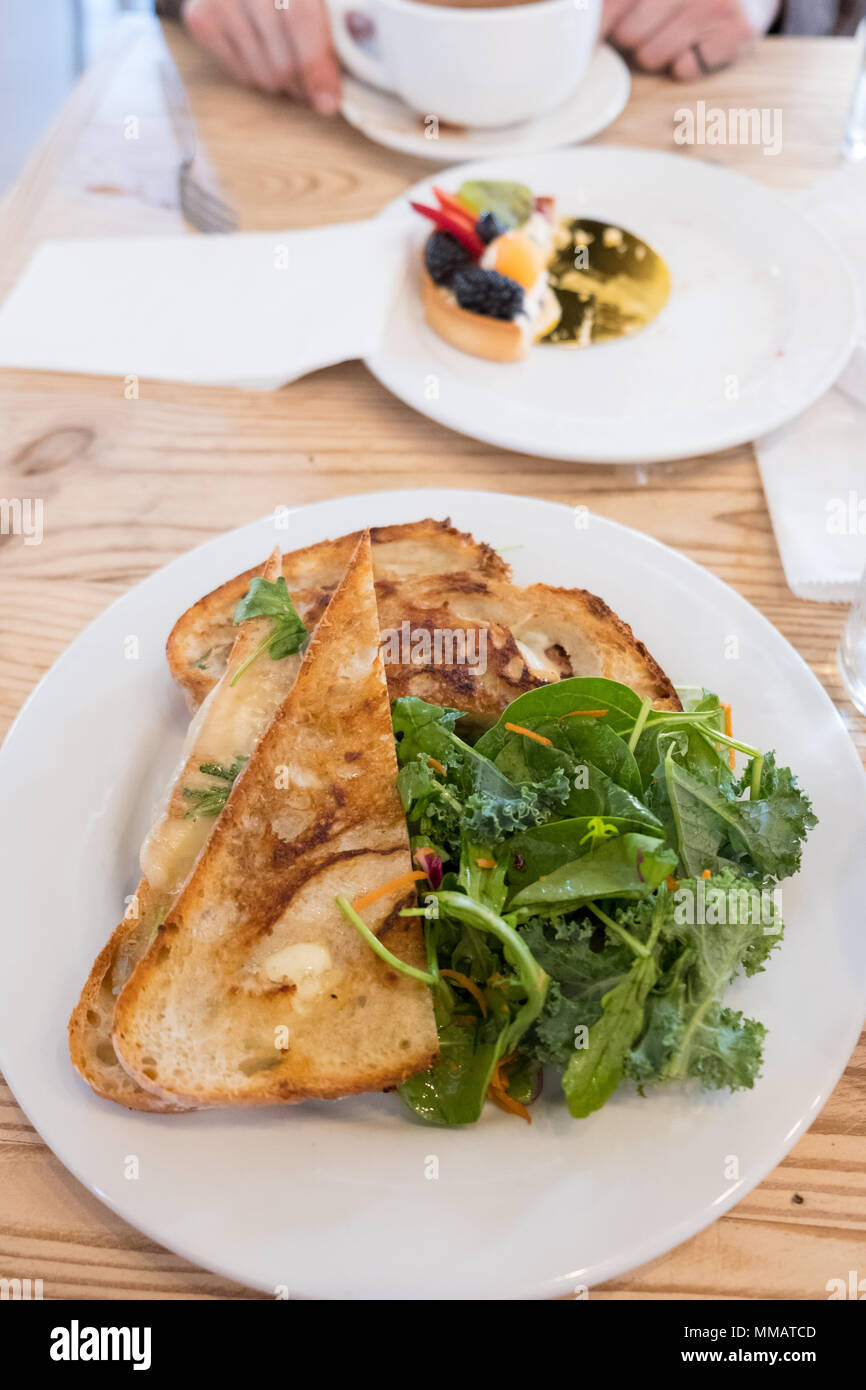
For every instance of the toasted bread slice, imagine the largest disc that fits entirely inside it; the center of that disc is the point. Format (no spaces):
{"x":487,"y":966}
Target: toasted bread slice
{"x":257,"y":989}
{"x":533,"y":635}
{"x":223,"y":733}
{"x":199,"y":644}
{"x":515,"y":639}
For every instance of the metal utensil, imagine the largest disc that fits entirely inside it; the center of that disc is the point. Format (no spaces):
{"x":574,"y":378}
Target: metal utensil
{"x":202,"y":209}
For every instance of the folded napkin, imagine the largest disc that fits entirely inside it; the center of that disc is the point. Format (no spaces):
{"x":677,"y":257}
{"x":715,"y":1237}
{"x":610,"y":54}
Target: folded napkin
{"x":255,"y":309}
{"x":814,"y":469}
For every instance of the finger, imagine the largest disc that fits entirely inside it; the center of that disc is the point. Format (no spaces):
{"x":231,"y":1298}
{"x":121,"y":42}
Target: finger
{"x":642,"y":20}
{"x":273,"y":40}
{"x":666,"y":44}
{"x":612,"y":13}
{"x":713,"y":51}
{"x":310,"y":35}
{"x":244,"y":38}
{"x":205,"y":22}
{"x":686,"y":67}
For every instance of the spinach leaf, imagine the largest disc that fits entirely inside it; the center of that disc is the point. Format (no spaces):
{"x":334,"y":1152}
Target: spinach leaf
{"x":453,"y":1091}
{"x":536,"y":853}
{"x":620,"y":704}
{"x":593,"y":1073}
{"x":574,"y":742}
{"x":606,"y":788}
{"x":630,"y":866}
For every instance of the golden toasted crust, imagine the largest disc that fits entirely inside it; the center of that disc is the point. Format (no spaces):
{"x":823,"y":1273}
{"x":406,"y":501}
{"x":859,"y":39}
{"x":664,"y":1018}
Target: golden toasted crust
{"x":225,"y":729}
{"x":201,"y":639}
{"x":533,"y":635}
{"x":497,"y":340}
{"x":315,"y":813}
{"x":90,"y":1045}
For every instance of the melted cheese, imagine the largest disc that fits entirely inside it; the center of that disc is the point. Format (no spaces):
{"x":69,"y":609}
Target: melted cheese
{"x":539,"y":666}
{"x":302,"y":964}
{"x":228,"y":726}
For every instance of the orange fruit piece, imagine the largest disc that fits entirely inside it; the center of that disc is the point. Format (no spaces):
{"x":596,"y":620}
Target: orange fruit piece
{"x":520,"y":258}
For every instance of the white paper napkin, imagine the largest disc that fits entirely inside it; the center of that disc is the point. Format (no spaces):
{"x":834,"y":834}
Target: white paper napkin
{"x":814,"y":470}
{"x":255,"y":309}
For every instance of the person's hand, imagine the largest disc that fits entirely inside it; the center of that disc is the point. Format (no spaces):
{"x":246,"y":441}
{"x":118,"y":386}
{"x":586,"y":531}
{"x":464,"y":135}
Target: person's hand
{"x":682,"y":37}
{"x":274,"y":48}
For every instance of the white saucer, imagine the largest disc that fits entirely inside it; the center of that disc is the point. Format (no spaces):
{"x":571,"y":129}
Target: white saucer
{"x":386,"y":119}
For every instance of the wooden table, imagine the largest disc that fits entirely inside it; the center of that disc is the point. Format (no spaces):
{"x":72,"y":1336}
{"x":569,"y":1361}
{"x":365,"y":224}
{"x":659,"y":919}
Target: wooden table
{"x":129,"y":484}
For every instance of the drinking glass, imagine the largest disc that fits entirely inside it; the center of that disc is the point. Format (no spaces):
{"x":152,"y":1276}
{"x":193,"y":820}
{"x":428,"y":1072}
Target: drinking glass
{"x":854,"y":142}
{"x":851,"y":652}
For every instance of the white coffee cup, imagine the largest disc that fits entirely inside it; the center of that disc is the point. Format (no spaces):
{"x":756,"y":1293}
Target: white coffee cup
{"x":474,"y":67}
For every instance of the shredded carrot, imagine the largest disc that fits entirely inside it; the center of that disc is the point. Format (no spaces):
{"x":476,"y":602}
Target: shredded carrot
{"x":469,"y":985}
{"x":509,"y":1104}
{"x":706,"y":874}
{"x":497,"y":1091}
{"x":486,"y":863}
{"x":398,"y":882}
{"x":527,"y":733}
{"x":732,"y":755}
{"x":671,"y":883}
{"x":593,"y":713}
{"x":437,"y":766}
{"x":496,"y":1079}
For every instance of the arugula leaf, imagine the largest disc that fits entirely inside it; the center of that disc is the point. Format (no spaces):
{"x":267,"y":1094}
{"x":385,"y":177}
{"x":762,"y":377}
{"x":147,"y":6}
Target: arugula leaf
{"x":271,"y":599}
{"x":630,"y":866}
{"x":209,"y":801}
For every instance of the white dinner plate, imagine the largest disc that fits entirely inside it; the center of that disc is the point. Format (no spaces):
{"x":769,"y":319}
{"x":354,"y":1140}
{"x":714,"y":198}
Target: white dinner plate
{"x":761,"y":319}
{"x":337,"y":1200}
{"x":383,"y":117}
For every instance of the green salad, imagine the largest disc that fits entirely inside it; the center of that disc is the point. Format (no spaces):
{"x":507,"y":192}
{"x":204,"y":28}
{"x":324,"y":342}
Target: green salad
{"x":598,"y":872}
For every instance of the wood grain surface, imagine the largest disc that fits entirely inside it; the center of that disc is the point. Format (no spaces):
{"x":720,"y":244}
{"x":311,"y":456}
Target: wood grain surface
{"x":129,"y":484}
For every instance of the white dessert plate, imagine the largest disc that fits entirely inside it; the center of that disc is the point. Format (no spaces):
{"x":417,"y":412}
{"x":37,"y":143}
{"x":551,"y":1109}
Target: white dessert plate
{"x":383,"y":117}
{"x":339,"y":1200}
{"x":745,"y":342}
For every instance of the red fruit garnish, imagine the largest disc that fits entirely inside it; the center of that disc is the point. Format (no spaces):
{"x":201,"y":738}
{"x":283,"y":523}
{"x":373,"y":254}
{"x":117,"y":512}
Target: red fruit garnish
{"x":446,"y":222}
{"x":545,"y":206}
{"x":449,"y":202}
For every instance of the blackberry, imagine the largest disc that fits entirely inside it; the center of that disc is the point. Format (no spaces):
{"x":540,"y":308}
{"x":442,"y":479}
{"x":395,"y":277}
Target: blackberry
{"x":488,"y":292}
{"x":487,"y":227}
{"x":443,"y":256}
